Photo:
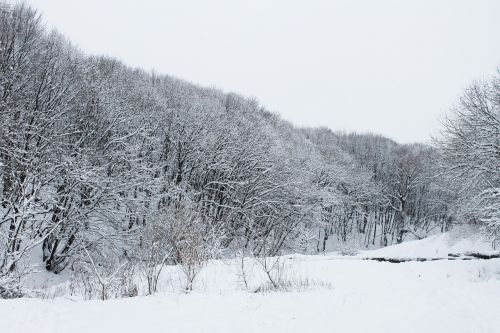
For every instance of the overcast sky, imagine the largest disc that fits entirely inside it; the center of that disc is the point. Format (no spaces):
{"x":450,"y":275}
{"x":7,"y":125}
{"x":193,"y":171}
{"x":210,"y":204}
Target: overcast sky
{"x":389,"y":67}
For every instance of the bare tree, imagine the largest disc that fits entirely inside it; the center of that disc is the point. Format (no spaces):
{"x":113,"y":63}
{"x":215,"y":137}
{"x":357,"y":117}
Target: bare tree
{"x":470,"y":149}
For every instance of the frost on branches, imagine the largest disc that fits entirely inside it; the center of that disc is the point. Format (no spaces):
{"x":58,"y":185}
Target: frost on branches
{"x":470,"y":150}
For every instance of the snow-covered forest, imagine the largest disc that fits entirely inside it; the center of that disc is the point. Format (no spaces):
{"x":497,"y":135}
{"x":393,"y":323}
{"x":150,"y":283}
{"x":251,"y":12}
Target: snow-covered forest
{"x":110,"y":175}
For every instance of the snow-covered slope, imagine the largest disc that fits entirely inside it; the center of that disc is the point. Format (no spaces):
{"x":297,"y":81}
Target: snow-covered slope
{"x":437,"y":246}
{"x":343,"y":295}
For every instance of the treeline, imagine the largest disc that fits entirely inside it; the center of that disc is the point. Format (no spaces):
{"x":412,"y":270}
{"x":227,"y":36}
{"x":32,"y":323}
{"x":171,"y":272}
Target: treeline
{"x":105,"y":164}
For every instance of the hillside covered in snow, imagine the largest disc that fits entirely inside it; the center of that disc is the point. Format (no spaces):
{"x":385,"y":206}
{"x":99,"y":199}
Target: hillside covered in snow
{"x":131,"y":200}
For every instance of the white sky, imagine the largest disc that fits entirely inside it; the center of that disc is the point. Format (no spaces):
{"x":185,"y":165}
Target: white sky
{"x":389,"y":67}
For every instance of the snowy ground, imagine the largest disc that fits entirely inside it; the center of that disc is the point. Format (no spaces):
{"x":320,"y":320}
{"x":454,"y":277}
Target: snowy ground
{"x":345,"y":294}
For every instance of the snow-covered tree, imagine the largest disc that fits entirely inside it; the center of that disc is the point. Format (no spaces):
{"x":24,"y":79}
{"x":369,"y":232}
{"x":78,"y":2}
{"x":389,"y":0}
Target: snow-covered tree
{"x":470,"y":151}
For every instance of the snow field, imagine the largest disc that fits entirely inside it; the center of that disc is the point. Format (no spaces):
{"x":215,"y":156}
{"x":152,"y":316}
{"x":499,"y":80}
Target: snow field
{"x":331,"y":293}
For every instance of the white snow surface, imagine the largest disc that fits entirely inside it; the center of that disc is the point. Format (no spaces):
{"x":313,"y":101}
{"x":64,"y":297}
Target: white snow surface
{"x":437,"y":246}
{"x":346,"y":294}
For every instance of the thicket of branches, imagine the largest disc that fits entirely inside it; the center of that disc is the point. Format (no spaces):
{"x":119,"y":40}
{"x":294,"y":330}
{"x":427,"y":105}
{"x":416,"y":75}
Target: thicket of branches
{"x":102,"y":164}
{"x":469,"y":148}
